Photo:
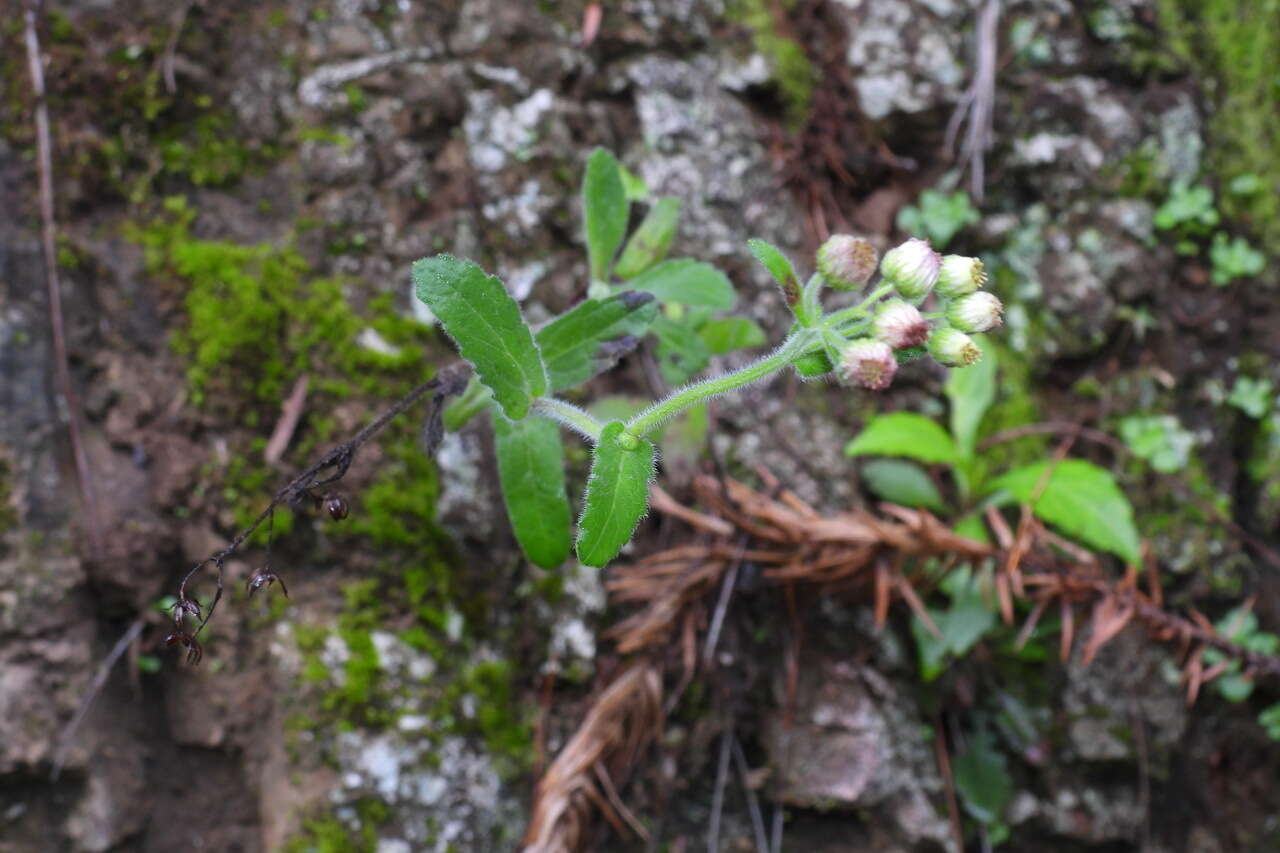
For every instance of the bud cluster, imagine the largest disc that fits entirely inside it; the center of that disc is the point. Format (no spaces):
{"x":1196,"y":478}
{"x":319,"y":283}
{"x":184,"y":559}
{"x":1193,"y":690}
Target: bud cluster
{"x":913,"y":270}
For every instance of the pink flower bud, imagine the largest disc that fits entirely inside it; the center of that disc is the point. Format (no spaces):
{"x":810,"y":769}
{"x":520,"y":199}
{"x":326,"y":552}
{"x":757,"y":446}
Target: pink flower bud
{"x":846,"y":262}
{"x":977,"y":312}
{"x":912,"y":268}
{"x":959,"y":276}
{"x":868,"y":364}
{"x":900,"y":325}
{"x":953,"y":347}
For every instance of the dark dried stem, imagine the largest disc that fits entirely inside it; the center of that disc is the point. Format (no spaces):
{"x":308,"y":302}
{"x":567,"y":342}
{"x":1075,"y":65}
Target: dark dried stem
{"x":48,"y":240}
{"x":448,"y":382}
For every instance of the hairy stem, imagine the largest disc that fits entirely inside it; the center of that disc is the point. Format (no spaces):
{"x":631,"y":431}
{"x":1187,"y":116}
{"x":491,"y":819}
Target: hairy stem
{"x":791,"y":349}
{"x":860,"y":310}
{"x":570,"y":415}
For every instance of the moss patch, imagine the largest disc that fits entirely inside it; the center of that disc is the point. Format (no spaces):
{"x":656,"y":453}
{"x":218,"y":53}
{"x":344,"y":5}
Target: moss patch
{"x":793,"y":73}
{"x":1237,"y":44}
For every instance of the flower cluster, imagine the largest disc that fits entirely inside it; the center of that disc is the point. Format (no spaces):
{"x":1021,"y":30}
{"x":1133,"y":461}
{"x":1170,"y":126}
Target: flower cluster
{"x":912,"y":271}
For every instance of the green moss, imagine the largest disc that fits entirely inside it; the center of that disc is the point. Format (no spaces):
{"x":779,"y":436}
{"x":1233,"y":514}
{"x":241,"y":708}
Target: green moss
{"x":329,"y":835}
{"x":1237,"y":44}
{"x":793,"y":73}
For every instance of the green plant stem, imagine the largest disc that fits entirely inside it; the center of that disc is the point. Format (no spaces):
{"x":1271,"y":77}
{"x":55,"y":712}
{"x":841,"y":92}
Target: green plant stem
{"x":570,"y":415}
{"x":792,"y":348}
{"x":810,"y":301}
{"x":860,"y":310}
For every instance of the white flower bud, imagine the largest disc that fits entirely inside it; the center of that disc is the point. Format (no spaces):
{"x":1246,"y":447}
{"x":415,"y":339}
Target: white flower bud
{"x":868,"y":364}
{"x":846,"y":262}
{"x":977,"y":312}
{"x":912,"y":268}
{"x":953,"y":347}
{"x":900,"y":325}
{"x":959,"y":276}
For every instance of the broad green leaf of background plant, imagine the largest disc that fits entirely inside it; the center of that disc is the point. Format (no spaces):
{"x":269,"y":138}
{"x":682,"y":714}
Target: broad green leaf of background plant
{"x":617,"y":494}
{"x":1252,"y":396}
{"x":1234,"y":258}
{"x":982,"y":780}
{"x":681,"y":352}
{"x":962,"y":624}
{"x":477,"y":312}
{"x":902,"y":482}
{"x":904,"y":434}
{"x":575,"y":345}
{"x":531,"y":469}
{"x":1159,"y":439}
{"x":779,"y":266}
{"x":971,"y":391}
{"x":604,"y":210}
{"x":726,"y":334}
{"x":1081,"y":499}
{"x":650,"y":241}
{"x":687,"y":282}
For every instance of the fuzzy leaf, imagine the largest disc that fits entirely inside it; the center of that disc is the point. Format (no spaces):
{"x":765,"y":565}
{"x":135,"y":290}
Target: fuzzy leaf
{"x":904,"y":434}
{"x":902,"y":482}
{"x":971,"y":391}
{"x":477,"y":312}
{"x":687,"y":282}
{"x":577,"y":344}
{"x":726,"y":334}
{"x":651,"y":240}
{"x":604,"y":210}
{"x":779,"y":266}
{"x":1083,"y":500}
{"x":531,"y":470}
{"x":617,"y":495}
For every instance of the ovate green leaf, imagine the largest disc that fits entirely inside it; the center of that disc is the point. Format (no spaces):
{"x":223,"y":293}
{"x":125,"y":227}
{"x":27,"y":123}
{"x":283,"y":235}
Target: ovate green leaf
{"x":592,"y":336}
{"x":617,"y":495}
{"x":904,"y":434}
{"x":687,"y":282}
{"x":982,"y":781}
{"x":779,"y":266}
{"x":681,"y":353}
{"x":650,"y":242}
{"x":604,"y":209}
{"x":902,"y":482}
{"x":531,"y":470}
{"x":477,"y":312}
{"x":1083,"y":500}
{"x":971,"y":391}
{"x":726,"y":334}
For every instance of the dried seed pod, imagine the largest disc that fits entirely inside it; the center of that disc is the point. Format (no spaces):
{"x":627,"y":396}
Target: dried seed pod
{"x":336,"y":506}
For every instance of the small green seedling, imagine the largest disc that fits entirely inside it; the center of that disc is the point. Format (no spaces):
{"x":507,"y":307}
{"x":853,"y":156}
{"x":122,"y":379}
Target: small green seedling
{"x":634,"y":291}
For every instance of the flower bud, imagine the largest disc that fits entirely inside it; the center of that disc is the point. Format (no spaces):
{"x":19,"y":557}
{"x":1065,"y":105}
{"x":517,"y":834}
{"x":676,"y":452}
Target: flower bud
{"x":912,"y":267}
{"x":959,"y":276}
{"x":846,"y":262}
{"x":900,"y":325}
{"x":868,"y":364}
{"x":953,"y":347}
{"x":977,"y":312}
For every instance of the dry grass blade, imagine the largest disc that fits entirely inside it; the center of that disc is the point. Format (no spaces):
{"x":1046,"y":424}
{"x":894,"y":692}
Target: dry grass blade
{"x":1109,"y":619}
{"x":623,"y":720}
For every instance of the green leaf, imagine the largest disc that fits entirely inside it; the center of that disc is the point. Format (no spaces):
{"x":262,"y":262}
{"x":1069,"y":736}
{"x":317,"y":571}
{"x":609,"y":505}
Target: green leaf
{"x":687,"y":282}
{"x":651,"y":240}
{"x":779,"y":266}
{"x":902,"y":482}
{"x":1083,"y":500}
{"x":604,"y":209}
{"x":681,"y":353}
{"x":1159,"y":439}
{"x":971,"y":391}
{"x":904,"y":434}
{"x":633,"y":185}
{"x":972,"y":527}
{"x":592,"y":336}
{"x":617,"y":495}
{"x":982,"y":780}
{"x":531,"y":470}
{"x":477,"y":312}
{"x":726,"y":334}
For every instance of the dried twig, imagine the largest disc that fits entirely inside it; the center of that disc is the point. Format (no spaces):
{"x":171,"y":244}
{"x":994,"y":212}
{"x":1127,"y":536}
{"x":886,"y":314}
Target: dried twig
{"x":48,"y":240}
{"x":977,"y":106}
